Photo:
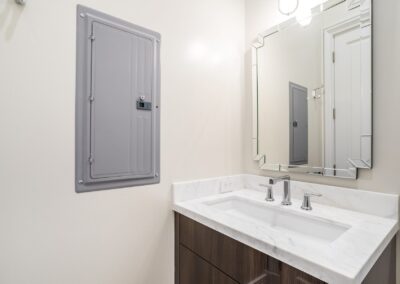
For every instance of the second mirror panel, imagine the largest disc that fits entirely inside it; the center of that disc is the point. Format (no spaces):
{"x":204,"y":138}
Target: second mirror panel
{"x":314,"y":93}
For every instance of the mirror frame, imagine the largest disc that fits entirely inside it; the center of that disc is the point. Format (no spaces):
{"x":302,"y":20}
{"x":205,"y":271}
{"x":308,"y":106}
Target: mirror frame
{"x":261,"y":158}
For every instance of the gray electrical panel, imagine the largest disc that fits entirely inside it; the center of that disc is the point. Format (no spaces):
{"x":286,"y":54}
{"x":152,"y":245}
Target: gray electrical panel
{"x":117,"y":103}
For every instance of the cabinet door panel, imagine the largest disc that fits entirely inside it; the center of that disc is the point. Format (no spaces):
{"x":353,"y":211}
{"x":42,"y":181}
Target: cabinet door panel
{"x":237,"y":260}
{"x":195,"y":270}
{"x":292,"y":275}
{"x":196,"y":237}
{"x":273,"y":271}
{"x":220,"y":278}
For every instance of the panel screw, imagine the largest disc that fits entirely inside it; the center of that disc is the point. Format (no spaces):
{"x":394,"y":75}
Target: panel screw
{"x":80,"y":181}
{"x":82,"y":15}
{"x":157,"y":174}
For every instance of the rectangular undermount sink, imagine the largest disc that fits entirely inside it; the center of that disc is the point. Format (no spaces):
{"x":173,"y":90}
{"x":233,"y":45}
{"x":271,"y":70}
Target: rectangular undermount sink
{"x":280,"y":219}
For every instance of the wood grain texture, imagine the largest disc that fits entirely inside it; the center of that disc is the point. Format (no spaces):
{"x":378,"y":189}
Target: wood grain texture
{"x":274,"y":270}
{"x":195,"y":270}
{"x":177,"y":242}
{"x":242,"y":263}
{"x":291,"y":275}
{"x":384,"y":270}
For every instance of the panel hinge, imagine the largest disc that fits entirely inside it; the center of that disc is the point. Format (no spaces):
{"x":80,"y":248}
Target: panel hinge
{"x":90,"y":159}
{"x":91,"y":98}
{"x":92,"y":37}
{"x":333,"y":57}
{"x":334,"y":113}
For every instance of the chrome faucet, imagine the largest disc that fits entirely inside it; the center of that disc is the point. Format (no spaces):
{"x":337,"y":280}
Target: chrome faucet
{"x":270,"y":194}
{"x":286,"y":188}
{"x":307,"y":200}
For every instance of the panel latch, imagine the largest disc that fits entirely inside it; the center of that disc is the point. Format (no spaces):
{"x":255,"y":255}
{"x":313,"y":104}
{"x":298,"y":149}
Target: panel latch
{"x":142,"y":104}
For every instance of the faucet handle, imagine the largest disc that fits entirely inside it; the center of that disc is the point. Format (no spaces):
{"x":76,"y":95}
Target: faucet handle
{"x":307,"y":200}
{"x":270,"y":193}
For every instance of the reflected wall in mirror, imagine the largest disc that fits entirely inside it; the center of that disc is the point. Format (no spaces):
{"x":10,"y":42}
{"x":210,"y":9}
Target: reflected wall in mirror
{"x":312,"y":92}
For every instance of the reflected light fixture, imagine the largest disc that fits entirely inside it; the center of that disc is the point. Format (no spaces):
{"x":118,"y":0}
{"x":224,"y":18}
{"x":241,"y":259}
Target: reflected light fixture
{"x":302,"y":12}
{"x":288,"y":7}
{"x":304,"y":17}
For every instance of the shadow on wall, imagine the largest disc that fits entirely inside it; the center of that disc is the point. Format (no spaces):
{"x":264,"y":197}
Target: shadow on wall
{"x":9,"y":15}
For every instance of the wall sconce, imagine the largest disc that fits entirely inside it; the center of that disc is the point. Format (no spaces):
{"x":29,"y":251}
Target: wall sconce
{"x":288,"y":7}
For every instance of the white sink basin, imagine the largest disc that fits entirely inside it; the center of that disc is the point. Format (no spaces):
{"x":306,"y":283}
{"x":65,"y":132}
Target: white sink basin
{"x":280,"y":219}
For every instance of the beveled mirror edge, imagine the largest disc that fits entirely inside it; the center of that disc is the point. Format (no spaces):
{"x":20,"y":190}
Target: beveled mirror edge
{"x":261,"y":159}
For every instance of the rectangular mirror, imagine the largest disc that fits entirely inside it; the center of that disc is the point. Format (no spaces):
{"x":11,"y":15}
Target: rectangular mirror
{"x":312,"y":91}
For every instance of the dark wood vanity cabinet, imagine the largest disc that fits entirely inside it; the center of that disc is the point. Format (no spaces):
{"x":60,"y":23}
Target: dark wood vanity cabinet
{"x":204,"y":256}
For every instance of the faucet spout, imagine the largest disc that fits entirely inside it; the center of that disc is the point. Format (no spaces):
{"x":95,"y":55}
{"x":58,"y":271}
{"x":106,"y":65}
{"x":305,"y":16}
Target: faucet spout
{"x":286,"y":188}
{"x":273,"y":181}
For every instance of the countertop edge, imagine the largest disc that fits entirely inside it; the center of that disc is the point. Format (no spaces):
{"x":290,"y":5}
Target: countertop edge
{"x":321,"y":273}
{"x":377,"y":253}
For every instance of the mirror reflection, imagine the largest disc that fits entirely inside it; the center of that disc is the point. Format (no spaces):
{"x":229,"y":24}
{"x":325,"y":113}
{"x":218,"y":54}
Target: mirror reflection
{"x":313,"y":82}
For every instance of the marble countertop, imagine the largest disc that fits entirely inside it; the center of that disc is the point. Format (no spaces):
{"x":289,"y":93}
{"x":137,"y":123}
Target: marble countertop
{"x":347,"y":259}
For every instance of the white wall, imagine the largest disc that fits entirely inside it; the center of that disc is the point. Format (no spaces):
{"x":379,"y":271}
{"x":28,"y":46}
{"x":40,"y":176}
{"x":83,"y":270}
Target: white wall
{"x":48,"y":233}
{"x":384,"y":177}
